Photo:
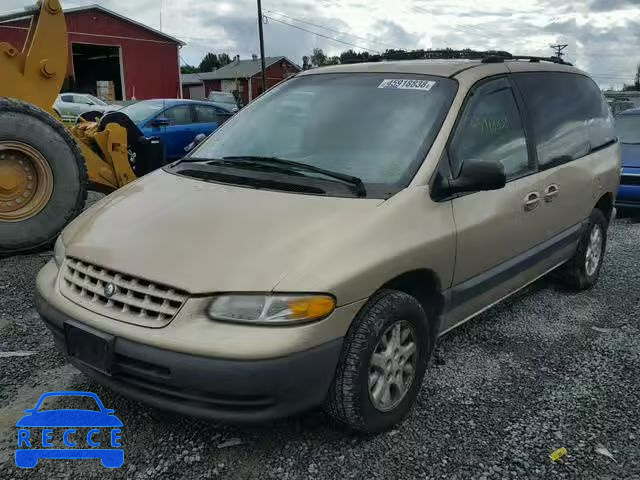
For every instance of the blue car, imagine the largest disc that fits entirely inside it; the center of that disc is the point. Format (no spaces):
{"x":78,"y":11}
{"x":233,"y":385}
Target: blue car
{"x":38,"y":425}
{"x":176,"y":122}
{"x":628,"y":129}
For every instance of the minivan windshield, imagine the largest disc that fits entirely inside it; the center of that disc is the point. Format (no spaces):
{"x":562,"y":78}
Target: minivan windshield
{"x":375,"y":127}
{"x":628,"y":128}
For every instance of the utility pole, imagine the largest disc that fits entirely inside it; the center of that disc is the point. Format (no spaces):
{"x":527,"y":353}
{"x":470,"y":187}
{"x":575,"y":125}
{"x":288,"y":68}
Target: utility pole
{"x":558,"y":50}
{"x":260,"y":33}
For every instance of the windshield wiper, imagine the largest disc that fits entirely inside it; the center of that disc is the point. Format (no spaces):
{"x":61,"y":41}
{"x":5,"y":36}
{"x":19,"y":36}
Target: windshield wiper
{"x":361,"y":191}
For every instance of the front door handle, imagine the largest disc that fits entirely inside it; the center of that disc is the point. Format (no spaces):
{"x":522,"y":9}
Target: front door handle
{"x":551,"y":192}
{"x":531,"y":201}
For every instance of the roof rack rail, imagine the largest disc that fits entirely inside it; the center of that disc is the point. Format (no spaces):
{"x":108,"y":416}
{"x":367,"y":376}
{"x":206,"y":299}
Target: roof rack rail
{"x":501,"y":59}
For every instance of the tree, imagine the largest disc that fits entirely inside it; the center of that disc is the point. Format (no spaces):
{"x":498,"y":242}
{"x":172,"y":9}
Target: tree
{"x":224,"y":59}
{"x":305,"y":63}
{"x":185,"y":69}
{"x":318,"y":58}
{"x":209,"y":63}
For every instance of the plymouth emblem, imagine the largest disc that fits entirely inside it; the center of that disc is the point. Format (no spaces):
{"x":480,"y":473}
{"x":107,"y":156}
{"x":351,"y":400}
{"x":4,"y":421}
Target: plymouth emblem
{"x":109,"y":290}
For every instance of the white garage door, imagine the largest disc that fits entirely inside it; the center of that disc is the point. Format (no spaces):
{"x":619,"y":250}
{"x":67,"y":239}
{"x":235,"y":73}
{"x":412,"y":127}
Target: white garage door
{"x":196,"y":92}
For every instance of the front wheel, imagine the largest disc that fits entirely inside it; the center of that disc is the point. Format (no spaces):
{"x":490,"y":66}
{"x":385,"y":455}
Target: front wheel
{"x":582,"y":271}
{"x":382,"y":363}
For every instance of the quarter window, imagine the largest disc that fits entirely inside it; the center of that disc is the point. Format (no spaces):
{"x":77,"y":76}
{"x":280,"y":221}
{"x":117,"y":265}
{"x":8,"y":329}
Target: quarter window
{"x":490,"y":130}
{"x":568,"y":114}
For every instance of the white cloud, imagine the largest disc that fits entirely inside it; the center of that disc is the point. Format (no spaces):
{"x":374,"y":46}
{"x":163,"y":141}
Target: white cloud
{"x":601,"y":34}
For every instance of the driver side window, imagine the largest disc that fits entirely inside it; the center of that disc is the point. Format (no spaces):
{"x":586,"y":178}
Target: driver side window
{"x":490,"y":130}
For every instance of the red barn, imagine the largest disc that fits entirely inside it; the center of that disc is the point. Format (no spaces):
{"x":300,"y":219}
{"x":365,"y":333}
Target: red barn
{"x":241,"y":77}
{"x":104,"y":46}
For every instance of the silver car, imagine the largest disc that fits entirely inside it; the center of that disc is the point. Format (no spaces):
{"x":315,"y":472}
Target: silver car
{"x":70,"y":105}
{"x":224,"y":100}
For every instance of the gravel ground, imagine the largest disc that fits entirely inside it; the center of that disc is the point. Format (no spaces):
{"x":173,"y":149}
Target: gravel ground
{"x":544,"y":370}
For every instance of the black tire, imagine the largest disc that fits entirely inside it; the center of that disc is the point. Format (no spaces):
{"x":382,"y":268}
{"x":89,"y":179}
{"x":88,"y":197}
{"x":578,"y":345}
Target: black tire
{"x":348,"y":402}
{"x":574,"y":273}
{"x":22,"y":122}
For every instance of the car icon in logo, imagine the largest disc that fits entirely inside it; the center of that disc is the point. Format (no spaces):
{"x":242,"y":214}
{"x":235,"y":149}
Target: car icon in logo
{"x":84,"y":432}
{"x":110,"y":290}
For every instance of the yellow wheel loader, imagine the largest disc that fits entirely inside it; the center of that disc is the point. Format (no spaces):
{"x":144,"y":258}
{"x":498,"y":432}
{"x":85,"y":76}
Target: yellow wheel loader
{"x":46,"y":169}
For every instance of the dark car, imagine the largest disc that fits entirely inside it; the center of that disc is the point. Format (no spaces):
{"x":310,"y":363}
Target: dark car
{"x":628,"y":129}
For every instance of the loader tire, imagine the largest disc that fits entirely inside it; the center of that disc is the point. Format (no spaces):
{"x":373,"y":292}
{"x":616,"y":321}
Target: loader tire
{"x":43,"y":178}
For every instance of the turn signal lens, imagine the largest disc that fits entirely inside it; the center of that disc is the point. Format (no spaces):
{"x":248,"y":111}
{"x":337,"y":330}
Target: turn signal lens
{"x":271,"y":309}
{"x":311,"y":308}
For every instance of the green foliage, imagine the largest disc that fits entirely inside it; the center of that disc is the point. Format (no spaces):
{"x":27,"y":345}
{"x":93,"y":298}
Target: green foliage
{"x":224,"y":59}
{"x":319,"y":59}
{"x":212,"y":62}
{"x":185,"y":69}
{"x":209,"y":63}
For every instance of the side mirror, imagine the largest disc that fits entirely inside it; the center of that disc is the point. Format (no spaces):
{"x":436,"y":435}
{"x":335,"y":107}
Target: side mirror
{"x":160,"y":122}
{"x":476,"y":176}
{"x":196,"y":141}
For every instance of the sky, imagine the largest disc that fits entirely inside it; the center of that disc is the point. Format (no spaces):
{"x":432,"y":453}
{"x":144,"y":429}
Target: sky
{"x":603,"y":35}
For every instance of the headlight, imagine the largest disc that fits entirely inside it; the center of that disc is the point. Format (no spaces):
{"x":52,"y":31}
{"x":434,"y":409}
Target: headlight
{"x":271,"y":309}
{"x":58,"y":252}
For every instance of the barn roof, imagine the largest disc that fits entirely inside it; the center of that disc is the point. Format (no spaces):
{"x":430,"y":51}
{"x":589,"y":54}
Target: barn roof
{"x":123,"y":18}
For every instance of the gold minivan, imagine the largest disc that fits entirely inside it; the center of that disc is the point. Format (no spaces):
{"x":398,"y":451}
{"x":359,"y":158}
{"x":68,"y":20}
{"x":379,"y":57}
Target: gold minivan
{"x":311,"y":251}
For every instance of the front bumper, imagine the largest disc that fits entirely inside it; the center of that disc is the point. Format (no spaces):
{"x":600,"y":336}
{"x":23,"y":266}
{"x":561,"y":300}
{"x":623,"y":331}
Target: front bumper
{"x":229,"y":390}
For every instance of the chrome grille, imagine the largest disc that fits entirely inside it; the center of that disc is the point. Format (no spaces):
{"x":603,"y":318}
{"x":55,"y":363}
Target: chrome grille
{"x":133,"y":300}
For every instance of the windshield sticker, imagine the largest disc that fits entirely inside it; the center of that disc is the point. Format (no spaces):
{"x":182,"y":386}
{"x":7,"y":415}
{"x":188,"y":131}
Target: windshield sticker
{"x":401,"y":84}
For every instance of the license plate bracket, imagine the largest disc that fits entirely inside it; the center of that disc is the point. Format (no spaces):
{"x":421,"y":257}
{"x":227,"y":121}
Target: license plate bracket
{"x":89,"y":347}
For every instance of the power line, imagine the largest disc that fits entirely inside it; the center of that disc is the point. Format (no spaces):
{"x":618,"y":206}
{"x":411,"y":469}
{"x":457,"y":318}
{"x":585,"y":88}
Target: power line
{"x":331,"y":30}
{"x":558,"y":50}
{"x":322,"y":35}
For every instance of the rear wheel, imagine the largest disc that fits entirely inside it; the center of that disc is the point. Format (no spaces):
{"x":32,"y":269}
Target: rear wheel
{"x":582,"y":271}
{"x":43,"y":178}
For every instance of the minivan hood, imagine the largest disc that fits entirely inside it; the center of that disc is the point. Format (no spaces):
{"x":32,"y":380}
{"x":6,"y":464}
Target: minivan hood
{"x":631,"y":155}
{"x":205,"y":237}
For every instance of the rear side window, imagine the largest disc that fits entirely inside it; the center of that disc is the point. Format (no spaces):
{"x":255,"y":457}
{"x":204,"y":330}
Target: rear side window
{"x":67,"y":98}
{"x":569,"y":116}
